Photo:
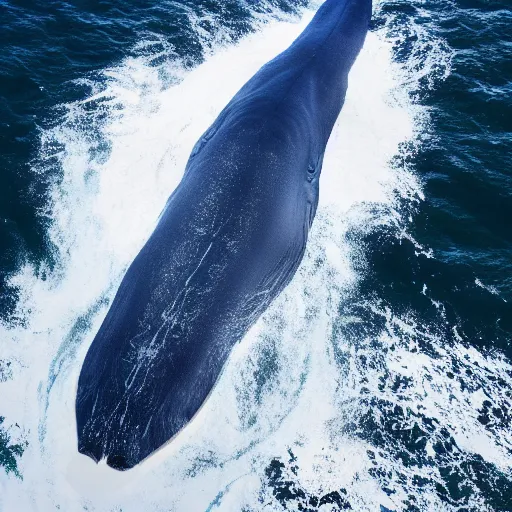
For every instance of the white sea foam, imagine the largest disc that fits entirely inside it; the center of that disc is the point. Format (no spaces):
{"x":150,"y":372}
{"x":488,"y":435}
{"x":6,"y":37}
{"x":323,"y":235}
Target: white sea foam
{"x":283,"y":387}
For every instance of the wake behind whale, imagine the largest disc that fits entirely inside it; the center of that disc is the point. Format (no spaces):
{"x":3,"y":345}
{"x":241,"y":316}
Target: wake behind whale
{"x":228,"y":241}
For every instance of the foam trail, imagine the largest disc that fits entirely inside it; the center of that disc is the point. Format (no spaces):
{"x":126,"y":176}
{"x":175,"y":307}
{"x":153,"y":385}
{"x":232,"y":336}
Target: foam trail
{"x":284,"y":386}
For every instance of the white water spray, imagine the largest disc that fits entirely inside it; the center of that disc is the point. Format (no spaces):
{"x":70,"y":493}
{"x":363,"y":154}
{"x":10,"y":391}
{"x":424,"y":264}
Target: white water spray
{"x":282,"y":386}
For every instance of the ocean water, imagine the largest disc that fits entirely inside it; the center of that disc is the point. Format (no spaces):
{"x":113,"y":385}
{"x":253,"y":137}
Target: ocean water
{"x":381,"y":379}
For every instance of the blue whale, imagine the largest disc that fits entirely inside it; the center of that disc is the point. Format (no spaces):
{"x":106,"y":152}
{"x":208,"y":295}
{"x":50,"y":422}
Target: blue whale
{"x":229,"y":239}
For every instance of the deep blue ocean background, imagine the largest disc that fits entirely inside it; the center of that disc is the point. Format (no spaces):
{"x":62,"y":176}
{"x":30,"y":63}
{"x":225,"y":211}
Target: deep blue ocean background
{"x":51,"y":53}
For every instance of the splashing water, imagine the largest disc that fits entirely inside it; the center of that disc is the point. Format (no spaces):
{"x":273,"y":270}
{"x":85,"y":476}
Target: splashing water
{"x":311,"y":384}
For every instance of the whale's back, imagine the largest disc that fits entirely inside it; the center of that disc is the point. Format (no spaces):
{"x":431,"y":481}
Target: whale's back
{"x":228,"y":241}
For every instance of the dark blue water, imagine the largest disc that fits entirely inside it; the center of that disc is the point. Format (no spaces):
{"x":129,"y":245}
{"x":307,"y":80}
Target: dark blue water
{"x":451,"y":274}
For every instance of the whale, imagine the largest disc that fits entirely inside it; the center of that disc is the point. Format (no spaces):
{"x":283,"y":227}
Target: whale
{"x":228,"y":241}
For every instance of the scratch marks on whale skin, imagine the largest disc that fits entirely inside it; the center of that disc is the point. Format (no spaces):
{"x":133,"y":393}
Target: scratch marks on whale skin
{"x":149,"y":353}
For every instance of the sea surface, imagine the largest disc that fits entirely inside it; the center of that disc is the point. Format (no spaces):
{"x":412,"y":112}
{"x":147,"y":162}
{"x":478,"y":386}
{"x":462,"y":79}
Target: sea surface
{"x":381,"y":379}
